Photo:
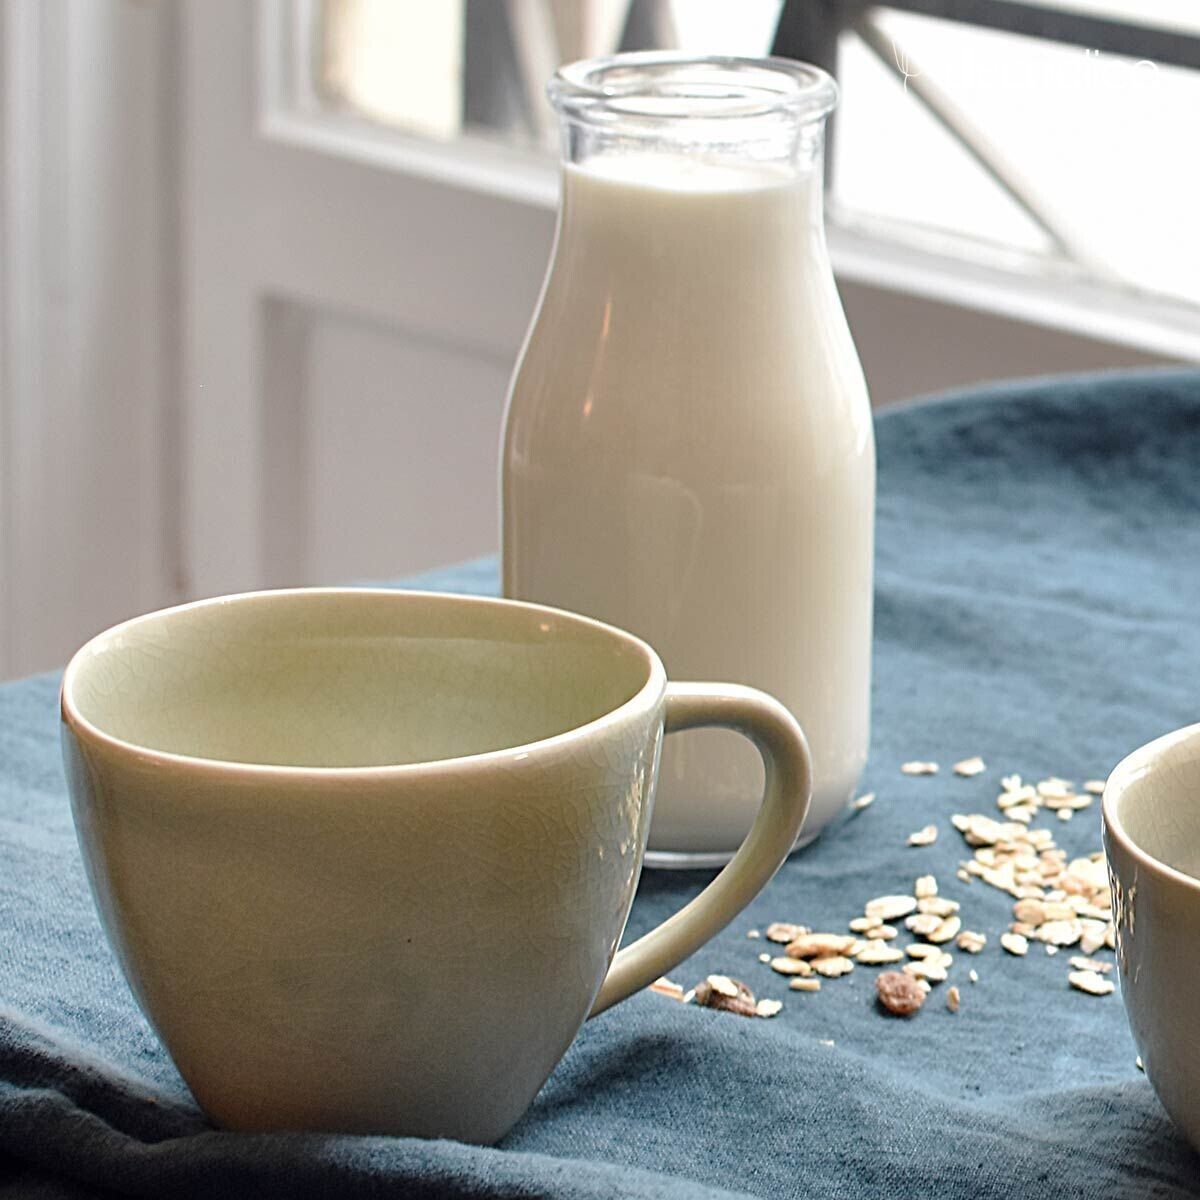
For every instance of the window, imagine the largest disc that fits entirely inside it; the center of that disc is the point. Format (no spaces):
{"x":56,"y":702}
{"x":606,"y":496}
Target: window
{"x":1056,"y":138}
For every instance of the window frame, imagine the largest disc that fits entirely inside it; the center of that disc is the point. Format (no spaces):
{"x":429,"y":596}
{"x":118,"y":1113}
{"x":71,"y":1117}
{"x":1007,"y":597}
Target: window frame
{"x":875,"y":252}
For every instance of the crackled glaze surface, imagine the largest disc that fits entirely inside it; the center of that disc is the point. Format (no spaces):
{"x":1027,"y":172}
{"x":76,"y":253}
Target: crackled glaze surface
{"x":365,"y":857}
{"x":371,"y":949}
{"x":1152,"y":841}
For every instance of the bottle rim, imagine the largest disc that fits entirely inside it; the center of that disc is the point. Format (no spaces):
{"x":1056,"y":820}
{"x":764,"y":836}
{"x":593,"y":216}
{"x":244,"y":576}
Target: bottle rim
{"x":656,"y":89}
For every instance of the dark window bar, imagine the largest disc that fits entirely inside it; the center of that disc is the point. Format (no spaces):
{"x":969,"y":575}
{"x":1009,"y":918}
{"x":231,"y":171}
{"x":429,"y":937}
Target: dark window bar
{"x":808,"y":29}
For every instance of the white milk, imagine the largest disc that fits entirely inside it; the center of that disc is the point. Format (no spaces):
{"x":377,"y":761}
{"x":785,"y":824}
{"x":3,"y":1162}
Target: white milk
{"x":689,"y":455}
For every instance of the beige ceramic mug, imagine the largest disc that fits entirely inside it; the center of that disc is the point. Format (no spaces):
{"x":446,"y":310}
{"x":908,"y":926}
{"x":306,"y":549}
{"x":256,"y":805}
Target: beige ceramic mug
{"x":1152,"y":842}
{"x":366,"y":856}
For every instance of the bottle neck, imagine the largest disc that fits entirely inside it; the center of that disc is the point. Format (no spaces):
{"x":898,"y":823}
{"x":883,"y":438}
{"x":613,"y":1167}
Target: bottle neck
{"x":723,"y":116}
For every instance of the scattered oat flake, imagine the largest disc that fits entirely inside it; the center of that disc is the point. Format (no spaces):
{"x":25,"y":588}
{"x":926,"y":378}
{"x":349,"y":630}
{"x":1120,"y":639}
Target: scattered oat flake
{"x":970,"y":941}
{"x":919,"y":768}
{"x":930,"y":969}
{"x":864,"y":801}
{"x":947,"y":929}
{"x":970,"y":766}
{"x":1060,"y":933}
{"x":1082,"y":963}
{"x":826,"y":1042}
{"x":805,"y":985}
{"x":822,"y":945}
{"x":1015,"y":943}
{"x":922,"y":924}
{"x":877,"y":952}
{"x":1095,"y":787}
{"x":1054,"y":788}
{"x":1092,"y":982}
{"x":922,"y":950}
{"x":939,"y":906}
{"x":1065,"y":814}
{"x":768,"y":1008}
{"x":973,"y":975}
{"x":833,"y":966}
{"x":923,"y":837}
{"x":782,"y":931}
{"x":725,"y":995}
{"x":1051,"y":950}
{"x":952,"y":999}
{"x":764,"y":957}
{"x":785,"y":965}
{"x":753,"y":933}
{"x":881,"y":933}
{"x":889,"y":908}
{"x":926,"y":887}
{"x":665,"y":987}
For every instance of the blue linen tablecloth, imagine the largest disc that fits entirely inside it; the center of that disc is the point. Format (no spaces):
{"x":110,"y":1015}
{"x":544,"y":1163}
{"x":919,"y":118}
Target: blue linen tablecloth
{"x":1038,"y":559}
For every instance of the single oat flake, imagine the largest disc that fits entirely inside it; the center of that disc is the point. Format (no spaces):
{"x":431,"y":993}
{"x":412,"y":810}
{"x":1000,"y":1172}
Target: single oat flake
{"x":952,"y":999}
{"x":822,"y":945}
{"x":1091,"y":982}
{"x":947,"y":930}
{"x":926,"y":887}
{"x":768,"y":1008}
{"x":1015,"y":943}
{"x":782,"y":931}
{"x":864,"y":801}
{"x":1095,"y":787}
{"x":889,"y":908}
{"x":805,"y":985}
{"x":923,"y":837}
{"x":833,"y":966}
{"x":1082,"y":963}
{"x":970,"y":766}
{"x":666,"y":987}
{"x":919,"y":768}
{"x":879,"y":952}
{"x":971,"y":942}
{"x":784,"y":965}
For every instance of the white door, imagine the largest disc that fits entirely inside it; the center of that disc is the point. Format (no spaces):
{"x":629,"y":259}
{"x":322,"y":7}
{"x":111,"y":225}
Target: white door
{"x":349,"y":323}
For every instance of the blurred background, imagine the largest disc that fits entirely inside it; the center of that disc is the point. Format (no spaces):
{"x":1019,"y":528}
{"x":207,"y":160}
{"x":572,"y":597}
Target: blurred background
{"x":265,"y":265}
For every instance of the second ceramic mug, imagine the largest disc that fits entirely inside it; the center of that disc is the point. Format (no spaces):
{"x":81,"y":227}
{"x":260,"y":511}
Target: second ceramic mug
{"x":1152,"y":842}
{"x":366,"y":856}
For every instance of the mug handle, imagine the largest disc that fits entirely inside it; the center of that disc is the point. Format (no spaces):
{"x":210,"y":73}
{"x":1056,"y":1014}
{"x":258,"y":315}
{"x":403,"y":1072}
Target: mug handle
{"x":785,"y":754}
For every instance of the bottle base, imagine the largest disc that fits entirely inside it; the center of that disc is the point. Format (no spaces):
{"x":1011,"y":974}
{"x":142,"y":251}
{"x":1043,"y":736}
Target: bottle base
{"x":708,"y":860}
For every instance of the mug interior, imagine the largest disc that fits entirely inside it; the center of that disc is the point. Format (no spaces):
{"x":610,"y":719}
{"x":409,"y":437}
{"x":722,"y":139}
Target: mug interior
{"x":1156,"y":800}
{"x":351,"y":678}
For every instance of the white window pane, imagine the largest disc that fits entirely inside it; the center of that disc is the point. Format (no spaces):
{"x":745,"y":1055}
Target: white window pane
{"x":1108,"y":147}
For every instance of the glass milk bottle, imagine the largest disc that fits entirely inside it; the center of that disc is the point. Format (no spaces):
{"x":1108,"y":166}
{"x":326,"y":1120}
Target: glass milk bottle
{"x":688,"y":450}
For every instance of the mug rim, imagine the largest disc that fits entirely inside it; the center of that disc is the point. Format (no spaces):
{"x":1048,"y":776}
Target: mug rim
{"x":647,"y":695}
{"x":1132,"y":767}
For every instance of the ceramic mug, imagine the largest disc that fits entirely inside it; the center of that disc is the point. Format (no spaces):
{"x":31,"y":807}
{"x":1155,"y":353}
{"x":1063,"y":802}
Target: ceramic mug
{"x":1152,"y":842}
{"x":366,"y":856}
